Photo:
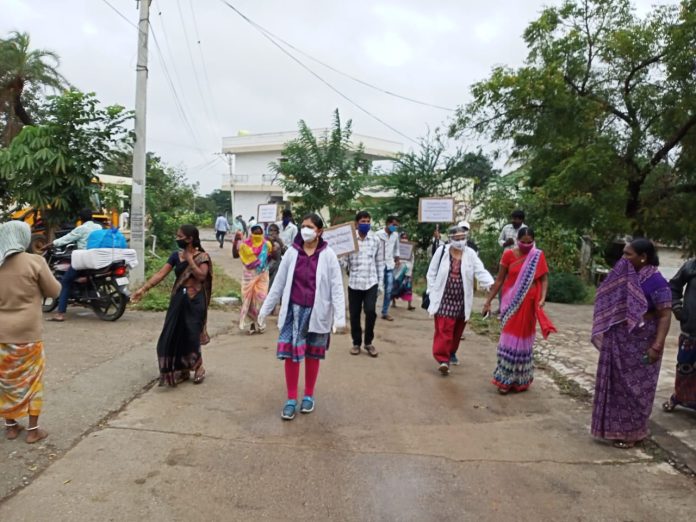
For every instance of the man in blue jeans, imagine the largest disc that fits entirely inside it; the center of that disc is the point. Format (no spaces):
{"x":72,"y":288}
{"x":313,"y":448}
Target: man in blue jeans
{"x":78,"y":236}
{"x":389,"y":238}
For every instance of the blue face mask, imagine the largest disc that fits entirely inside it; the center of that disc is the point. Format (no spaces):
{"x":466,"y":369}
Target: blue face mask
{"x":364,"y":228}
{"x":286,"y":222}
{"x":393,"y":228}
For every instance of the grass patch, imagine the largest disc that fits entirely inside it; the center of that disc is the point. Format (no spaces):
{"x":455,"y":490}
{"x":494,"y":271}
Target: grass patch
{"x":489,"y":327}
{"x":157,"y":299}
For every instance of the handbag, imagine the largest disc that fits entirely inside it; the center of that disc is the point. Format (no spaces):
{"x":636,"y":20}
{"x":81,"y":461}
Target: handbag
{"x":425,"y":304}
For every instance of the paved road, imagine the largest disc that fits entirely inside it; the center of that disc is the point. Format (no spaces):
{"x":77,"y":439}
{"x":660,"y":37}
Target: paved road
{"x":390,"y":440}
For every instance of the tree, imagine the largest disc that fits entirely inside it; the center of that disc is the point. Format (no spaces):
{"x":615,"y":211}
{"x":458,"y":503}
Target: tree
{"x":24,"y":69}
{"x":324,"y":172}
{"x":602,"y":116}
{"x":51,"y":166}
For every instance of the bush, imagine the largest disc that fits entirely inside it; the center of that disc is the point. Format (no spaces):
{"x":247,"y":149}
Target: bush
{"x":566,"y":288}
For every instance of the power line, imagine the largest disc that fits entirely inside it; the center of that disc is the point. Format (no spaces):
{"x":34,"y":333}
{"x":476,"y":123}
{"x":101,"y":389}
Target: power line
{"x":207,"y":82}
{"x":342,"y":73}
{"x":317,"y":76}
{"x":177,"y":100}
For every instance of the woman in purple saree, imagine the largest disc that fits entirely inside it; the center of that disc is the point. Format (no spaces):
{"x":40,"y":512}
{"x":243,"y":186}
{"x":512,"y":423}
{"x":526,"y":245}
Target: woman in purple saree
{"x":631,"y":321}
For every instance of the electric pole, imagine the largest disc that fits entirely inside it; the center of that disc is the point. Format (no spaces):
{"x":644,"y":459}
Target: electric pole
{"x":137,"y":216}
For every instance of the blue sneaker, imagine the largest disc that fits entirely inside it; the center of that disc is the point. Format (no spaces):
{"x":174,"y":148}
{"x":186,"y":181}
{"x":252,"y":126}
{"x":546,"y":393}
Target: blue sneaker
{"x":454,"y":360}
{"x":289,"y":410}
{"x":307,"y":404}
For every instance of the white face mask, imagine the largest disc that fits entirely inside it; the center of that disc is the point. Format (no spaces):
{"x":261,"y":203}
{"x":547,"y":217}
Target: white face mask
{"x":459,"y":244}
{"x":308,"y":234}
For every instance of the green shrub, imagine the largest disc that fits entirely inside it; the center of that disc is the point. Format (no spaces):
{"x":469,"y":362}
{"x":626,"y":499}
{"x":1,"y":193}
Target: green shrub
{"x":566,"y":288}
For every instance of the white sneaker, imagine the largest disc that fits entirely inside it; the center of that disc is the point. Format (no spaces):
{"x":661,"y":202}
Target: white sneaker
{"x":444,"y":368}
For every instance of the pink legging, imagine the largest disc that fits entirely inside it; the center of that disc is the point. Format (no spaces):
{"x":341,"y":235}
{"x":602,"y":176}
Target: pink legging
{"x":292,"y":376}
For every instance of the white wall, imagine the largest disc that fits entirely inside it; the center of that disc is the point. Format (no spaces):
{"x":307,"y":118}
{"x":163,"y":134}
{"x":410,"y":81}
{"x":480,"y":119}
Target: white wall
{"x":251,"y":167}
{"x":246,"y":203}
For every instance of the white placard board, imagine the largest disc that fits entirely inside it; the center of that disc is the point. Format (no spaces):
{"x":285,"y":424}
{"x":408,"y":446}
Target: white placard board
{"x":267,"y":213}
{"x":341,"y":239}
{"x":436,"y":210}
{"x":406,"y":250}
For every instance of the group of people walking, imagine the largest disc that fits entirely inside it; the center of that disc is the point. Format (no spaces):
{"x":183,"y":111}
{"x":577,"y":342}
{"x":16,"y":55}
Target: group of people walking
{"x":300,"y":275}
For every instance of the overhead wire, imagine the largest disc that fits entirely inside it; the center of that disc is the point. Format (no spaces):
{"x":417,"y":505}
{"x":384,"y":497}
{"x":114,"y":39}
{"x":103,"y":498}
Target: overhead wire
{"x":207,"y":81}
{"x":347,"y":75}
{"x":177,"y":101}
{"x":316,"y":75}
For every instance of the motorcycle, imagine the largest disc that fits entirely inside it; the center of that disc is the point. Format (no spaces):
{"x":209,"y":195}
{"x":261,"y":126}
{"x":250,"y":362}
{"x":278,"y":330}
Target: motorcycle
{"x":104,"y":290}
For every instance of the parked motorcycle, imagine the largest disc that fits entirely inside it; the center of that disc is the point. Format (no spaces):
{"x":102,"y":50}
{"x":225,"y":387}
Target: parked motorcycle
{"x":105,"y":290}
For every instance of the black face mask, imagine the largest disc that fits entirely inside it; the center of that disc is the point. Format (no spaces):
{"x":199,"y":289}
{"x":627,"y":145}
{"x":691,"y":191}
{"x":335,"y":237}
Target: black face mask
{"x":181,"y":243}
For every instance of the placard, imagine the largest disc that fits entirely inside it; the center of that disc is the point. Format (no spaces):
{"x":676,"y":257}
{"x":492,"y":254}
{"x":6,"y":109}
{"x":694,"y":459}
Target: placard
{"x":406,"y":250}
{"x":267,"y":213}
{"x":436,"y":210}
{"x":341,"y":238}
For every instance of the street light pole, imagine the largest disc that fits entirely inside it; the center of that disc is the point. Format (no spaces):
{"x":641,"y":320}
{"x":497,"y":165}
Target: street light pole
{"x":137,"y":216}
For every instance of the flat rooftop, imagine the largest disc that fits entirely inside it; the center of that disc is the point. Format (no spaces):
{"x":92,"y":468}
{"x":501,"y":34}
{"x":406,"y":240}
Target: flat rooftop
{"x":375,"y":148}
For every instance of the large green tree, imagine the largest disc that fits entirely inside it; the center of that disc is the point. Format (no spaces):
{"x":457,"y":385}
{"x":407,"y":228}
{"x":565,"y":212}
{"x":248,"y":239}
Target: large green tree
{"x":23,"y":72}
{"x":602,"y":115}
{"x":431,"y":171}
{"x":323,"y":171}
{"x":51,"y":166}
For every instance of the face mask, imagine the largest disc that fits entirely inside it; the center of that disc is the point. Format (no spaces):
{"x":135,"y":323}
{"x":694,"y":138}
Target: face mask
{"x":364,"y":228}
{"x":393,"y":228}
{"x":308,"y":234}
{"x":181,"y":243}
{"x":459,"y":244}
{"x":525,"y":248}
{"x":286,"y":222}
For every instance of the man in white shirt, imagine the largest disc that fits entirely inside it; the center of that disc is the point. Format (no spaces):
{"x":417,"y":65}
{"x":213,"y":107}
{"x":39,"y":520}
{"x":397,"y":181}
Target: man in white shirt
{"x":288,"y":229}
{"x":508,"y":235}
{"x":221,"y":228}
{"x":365,"y":279}
{"x":78,"y":236}
{"x":389,"y":236}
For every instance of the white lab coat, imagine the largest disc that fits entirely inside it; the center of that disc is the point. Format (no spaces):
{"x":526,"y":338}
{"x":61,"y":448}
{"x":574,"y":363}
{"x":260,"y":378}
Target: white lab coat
{"x":329,"y":299}
{"x":471,"y":267}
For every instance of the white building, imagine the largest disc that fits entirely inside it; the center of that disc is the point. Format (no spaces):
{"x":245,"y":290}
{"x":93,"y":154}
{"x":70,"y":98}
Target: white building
{"x":251,"y":180}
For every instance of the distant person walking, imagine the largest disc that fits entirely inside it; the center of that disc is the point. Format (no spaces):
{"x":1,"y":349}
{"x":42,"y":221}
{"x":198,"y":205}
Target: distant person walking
{"x":311,"y":286}
{"x":389,"y":236}
{"x":523,"y":277}
{"x":277,"y":249}
{"x":508,"y":235}
{"x":25,"y":280}
{"x":255,"y":254}
{"x":365,"y":279}
{"x":403,"y":279}
{"x":221,"y":228}
{"x":288,"y":229}
{"x":451,"y":293}
{"x":683,"y":286}
{"x":632,"y":314}
{"x":184,"y":330}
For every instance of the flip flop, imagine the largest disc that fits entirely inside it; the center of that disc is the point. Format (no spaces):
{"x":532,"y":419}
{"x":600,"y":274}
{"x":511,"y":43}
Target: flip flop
{"x":56,"y":320}
{"x":198,"y":379}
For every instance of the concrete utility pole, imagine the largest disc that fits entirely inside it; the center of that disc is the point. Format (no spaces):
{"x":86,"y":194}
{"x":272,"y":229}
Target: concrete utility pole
{"x":137,"y":216}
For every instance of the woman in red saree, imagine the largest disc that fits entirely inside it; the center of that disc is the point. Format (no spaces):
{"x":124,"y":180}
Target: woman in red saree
{"x":523,"y":276}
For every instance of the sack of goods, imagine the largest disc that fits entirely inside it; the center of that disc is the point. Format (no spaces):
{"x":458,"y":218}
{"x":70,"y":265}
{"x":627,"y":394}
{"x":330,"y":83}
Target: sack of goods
{"x":106,"y":238}
{"x":97,"y":258}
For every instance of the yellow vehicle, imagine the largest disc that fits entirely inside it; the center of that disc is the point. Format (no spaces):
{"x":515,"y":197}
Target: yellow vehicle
{"x":39,"y":235}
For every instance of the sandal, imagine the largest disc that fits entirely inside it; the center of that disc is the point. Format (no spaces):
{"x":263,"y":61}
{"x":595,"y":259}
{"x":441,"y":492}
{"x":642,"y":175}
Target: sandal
{"x":626,"y":444}
{"x":17,"y":426}
{"x":669,"y":405}
{"x":199,"y":376}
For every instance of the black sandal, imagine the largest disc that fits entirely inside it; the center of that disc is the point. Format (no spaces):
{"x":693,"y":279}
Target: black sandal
{"x":669,"y":405}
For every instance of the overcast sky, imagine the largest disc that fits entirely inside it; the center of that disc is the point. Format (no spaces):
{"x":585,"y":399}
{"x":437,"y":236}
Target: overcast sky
{"x":432,"y":51}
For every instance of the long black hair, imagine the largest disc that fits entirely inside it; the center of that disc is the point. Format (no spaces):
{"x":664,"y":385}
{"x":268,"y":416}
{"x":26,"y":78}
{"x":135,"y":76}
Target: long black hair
{"x":645,"y":246}
{"x":192,"y":232}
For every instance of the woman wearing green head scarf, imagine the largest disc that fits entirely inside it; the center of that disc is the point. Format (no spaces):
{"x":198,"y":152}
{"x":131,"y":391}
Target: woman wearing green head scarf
{"x":25,"y":280}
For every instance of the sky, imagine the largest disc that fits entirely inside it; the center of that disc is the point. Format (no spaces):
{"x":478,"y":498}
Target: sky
{"x":224,"y":76}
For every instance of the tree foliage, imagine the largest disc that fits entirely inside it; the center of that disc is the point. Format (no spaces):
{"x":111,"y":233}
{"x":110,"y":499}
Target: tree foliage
{"x":602,"y":116}
{"x":323,"y":172}
{"x":431,"y":171}
{"x":51,"y":166}
{"x":23,"y":70}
